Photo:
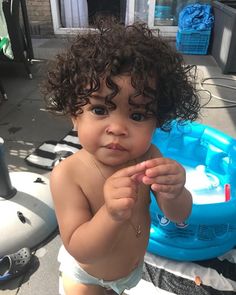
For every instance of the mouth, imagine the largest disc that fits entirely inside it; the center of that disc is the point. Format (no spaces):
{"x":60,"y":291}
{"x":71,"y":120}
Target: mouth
{"x":115,"y":147}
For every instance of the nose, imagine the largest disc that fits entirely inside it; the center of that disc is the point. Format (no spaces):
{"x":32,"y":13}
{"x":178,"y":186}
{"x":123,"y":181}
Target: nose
{"x":117,"y":128}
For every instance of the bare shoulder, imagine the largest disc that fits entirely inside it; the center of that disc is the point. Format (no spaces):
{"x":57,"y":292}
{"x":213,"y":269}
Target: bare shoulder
{"x":67,"y":170}
{"x":70,"y":202}
{"x":68,"y":178}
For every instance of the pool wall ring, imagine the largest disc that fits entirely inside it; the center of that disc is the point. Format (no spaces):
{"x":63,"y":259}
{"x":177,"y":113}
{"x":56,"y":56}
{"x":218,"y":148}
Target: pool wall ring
{"x":210,"y":230}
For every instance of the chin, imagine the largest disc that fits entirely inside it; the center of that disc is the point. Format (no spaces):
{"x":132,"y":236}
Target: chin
{"x":113,"y":162}
{"x":116,"y":162}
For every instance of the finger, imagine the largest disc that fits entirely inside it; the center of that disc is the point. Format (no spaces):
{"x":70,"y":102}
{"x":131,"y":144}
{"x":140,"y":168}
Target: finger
{"x":172,"y":168}
{"x":157,"y":161}
{"x":123,"y":204}
{"x":131,"y":170}
{"x":167,"y":189}
{"x":124,"y":182}
{"x":166,"y":180}
{"x":125,"y":192}
{"x":138,"y":178}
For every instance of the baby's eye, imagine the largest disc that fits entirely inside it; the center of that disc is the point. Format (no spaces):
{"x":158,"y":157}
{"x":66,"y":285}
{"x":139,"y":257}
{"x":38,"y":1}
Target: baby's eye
{"x":138,"y":117}
{"x":99,"y":110}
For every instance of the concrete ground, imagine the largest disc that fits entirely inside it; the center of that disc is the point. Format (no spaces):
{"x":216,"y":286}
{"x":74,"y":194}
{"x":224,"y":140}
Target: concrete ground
{"x":24,"y":125}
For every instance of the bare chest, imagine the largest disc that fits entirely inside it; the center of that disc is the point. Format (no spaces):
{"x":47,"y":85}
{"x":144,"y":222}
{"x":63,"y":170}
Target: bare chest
{"x":95,"y":196}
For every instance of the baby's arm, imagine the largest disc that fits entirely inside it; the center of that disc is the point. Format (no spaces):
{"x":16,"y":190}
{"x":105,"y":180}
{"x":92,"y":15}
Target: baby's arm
{"x":167,"y":179}
{"x":90,"y":238}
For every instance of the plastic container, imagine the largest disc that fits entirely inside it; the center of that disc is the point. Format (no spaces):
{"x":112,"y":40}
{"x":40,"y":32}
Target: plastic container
{"x":210,"y":230}
{"x":163,"y":13}
{"x":192,"y":41}
{"x":224,"y":35}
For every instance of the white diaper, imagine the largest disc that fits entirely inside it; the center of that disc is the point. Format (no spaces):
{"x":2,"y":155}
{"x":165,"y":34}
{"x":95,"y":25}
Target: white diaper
{"x":70,"y":267}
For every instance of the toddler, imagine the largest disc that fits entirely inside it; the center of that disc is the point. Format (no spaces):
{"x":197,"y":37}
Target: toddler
{"x":117,"y":84}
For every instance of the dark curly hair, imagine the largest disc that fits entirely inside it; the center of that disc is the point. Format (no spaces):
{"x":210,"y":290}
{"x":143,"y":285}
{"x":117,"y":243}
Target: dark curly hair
{"x":113,"y":50}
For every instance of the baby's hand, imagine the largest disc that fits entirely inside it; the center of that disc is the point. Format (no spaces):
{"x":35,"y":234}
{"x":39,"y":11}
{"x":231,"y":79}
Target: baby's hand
{"x":121,"y":191}
{"x":166,"y":176}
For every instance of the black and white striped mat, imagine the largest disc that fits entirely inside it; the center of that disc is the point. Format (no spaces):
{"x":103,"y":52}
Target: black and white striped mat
{"x":161,"y":276}
{"x":50,"y":152}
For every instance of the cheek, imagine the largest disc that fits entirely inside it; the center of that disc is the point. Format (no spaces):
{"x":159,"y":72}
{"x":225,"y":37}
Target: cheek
{"x":88,"y":137}
{"x":143,"y":140}
{"x":85,"y":136}
{"x":82,"y":127}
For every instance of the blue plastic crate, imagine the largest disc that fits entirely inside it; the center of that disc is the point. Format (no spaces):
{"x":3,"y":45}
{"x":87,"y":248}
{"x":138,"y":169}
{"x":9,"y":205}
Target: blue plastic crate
{"x":193,"y":42}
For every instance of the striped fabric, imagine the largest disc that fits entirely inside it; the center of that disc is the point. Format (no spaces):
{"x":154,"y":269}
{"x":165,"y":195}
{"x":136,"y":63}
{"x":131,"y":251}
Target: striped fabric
{"x":161,"y":276}
{"x":51,"y":152}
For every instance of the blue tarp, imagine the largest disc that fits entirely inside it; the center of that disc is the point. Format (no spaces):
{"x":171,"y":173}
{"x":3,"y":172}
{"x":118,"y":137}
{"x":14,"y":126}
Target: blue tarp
{"x":196,"y":17}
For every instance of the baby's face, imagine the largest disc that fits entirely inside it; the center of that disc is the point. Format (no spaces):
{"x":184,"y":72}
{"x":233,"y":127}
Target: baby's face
{"x":115,"y":136}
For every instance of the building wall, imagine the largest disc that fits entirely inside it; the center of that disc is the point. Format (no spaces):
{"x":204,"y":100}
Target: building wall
{"x":40,"y":18}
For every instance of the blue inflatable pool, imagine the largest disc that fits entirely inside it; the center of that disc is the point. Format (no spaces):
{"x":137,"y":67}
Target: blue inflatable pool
{"x":209,"y":157}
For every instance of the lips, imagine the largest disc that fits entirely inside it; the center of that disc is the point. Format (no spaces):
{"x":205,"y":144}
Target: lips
{"x":115,"y":147}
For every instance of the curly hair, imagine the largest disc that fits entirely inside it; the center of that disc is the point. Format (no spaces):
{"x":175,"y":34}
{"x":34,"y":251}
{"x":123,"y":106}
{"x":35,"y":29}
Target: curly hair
{"x":113,"y":50}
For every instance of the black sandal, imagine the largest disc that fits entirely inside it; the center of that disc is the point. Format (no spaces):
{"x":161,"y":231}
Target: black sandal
{"x":15,"y":264}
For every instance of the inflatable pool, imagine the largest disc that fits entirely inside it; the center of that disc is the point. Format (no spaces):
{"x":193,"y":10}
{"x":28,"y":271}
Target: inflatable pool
{"x":209,"y":157}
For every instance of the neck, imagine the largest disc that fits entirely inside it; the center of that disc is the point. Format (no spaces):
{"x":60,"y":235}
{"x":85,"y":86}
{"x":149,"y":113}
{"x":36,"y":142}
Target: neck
{"x":106,"y":170}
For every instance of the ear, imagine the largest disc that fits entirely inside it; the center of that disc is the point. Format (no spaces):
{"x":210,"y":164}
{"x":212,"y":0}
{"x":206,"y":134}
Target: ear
{"x":74,"y":121}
